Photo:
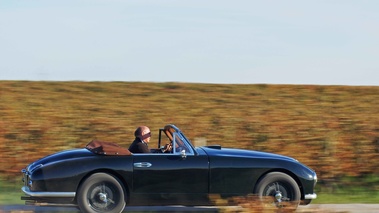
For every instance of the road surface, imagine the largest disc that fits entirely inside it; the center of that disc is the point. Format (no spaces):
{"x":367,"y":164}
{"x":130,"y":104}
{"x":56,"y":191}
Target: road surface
{"x":312,"y":208}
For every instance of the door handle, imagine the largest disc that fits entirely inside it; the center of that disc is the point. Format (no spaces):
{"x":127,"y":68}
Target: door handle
{"x":142,"y":164}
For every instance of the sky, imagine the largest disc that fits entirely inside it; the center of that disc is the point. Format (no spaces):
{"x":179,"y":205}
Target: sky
{"x":322,"y":42}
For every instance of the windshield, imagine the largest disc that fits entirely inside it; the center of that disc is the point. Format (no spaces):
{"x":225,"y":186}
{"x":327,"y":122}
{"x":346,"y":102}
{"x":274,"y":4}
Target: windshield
{"x":181,"y":143}
{"x":173,"y":135}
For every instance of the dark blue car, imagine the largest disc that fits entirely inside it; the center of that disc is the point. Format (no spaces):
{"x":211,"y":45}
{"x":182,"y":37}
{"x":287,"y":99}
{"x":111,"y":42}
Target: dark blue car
{"x":103,"y":177}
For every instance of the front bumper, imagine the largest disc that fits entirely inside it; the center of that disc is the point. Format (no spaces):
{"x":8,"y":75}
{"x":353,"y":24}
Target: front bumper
{"x":310,"y":196}
{"x":27,"y":191}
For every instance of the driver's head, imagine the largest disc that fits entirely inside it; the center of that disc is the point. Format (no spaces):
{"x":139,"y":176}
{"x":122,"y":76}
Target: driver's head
{"x":143,"y":133}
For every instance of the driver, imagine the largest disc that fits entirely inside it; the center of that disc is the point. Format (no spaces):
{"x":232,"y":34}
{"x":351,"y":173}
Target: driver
{"x":140,"y":143}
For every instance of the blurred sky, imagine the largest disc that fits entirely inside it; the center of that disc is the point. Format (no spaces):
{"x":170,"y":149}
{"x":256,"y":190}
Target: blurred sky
{"x":328,"y":42}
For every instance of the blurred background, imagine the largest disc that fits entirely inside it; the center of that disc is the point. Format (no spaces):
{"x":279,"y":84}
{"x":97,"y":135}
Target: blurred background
{"x":332,"y":129}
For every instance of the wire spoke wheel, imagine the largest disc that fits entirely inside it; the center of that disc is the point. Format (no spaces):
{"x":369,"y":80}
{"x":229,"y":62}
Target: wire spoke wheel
{"x":102,"y":197}
{"x":279,"y":190}
{"x":101,"y":193}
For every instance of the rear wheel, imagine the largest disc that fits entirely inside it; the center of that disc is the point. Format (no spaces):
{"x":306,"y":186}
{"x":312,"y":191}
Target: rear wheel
{"x":101,"y":192}
{"x":279,"y":189}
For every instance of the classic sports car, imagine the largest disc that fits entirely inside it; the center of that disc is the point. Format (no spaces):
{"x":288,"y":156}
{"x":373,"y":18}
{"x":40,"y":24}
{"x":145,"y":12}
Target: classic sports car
{"x":104,"y":177}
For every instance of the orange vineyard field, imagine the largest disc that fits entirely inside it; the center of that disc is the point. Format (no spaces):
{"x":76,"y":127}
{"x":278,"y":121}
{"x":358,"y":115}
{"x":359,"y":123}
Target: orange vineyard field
{"x":332,"y":129}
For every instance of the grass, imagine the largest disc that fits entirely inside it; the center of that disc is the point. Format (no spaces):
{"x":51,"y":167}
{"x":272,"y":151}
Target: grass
{"x":11,"y":198}
{"x":10,"y":192}
{"x":369,"y":197}
{"x":363,"y":189}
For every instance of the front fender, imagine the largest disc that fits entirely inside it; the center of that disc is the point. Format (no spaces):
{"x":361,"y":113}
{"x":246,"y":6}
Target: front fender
{"x":66,"y":175}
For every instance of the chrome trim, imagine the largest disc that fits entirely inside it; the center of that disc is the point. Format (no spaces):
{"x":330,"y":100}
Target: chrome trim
{"x":310,"y":196}
{"x":35,"y":168}
{"x":27,"y":191}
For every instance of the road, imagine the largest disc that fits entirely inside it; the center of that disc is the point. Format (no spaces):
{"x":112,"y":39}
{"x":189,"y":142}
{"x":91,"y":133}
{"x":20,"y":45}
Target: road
{"x":340,"y":208}
{"x":321,"y":208}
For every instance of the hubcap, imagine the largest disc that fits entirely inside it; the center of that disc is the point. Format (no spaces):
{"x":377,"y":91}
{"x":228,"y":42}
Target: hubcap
{"x":278,"y":196}
{"x":279,"y":192}
{"x":103,"y":197}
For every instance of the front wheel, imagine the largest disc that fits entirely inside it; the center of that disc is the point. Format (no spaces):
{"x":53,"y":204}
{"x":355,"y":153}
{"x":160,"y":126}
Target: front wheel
{"x":101,"y":192}
{"x":280,"y":188}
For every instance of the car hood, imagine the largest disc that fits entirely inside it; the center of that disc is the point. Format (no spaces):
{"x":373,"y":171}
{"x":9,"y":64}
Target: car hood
{"x":68,"y":154}
{"x":231,"y":152}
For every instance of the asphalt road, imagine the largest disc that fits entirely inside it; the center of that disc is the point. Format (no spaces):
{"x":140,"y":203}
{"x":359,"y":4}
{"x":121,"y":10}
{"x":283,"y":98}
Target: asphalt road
{"x":321,"y":208}
{"x":340,"y":208}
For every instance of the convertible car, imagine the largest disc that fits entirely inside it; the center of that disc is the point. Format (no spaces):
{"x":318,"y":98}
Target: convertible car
{"x":104,"y":177}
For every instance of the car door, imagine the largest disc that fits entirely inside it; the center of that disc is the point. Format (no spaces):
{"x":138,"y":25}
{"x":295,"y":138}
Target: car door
{"x":182,"y":171}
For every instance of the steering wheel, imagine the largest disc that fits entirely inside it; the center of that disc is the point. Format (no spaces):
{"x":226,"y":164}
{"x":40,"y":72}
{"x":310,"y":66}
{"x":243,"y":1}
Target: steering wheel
{"x":167,"y":148}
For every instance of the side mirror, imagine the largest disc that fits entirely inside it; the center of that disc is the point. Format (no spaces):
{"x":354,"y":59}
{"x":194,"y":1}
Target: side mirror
{"x":183,"y":154}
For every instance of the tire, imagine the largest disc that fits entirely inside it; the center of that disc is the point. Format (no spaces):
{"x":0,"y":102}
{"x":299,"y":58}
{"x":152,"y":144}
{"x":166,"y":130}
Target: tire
{"x":101,"y":192}
{"x":280,"y":185}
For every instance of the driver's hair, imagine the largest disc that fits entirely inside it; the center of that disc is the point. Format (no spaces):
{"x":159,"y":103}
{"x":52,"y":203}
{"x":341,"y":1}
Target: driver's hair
{"x":138,"y":132}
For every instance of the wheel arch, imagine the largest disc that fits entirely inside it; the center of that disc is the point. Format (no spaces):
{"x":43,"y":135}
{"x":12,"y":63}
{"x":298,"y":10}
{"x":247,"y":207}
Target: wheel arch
{"x":287,"y":172}
{"x":119,"y":177}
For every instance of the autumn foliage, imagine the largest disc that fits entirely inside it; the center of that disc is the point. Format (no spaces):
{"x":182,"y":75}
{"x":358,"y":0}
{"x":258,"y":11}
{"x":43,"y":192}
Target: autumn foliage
{"x":332,"y":129}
